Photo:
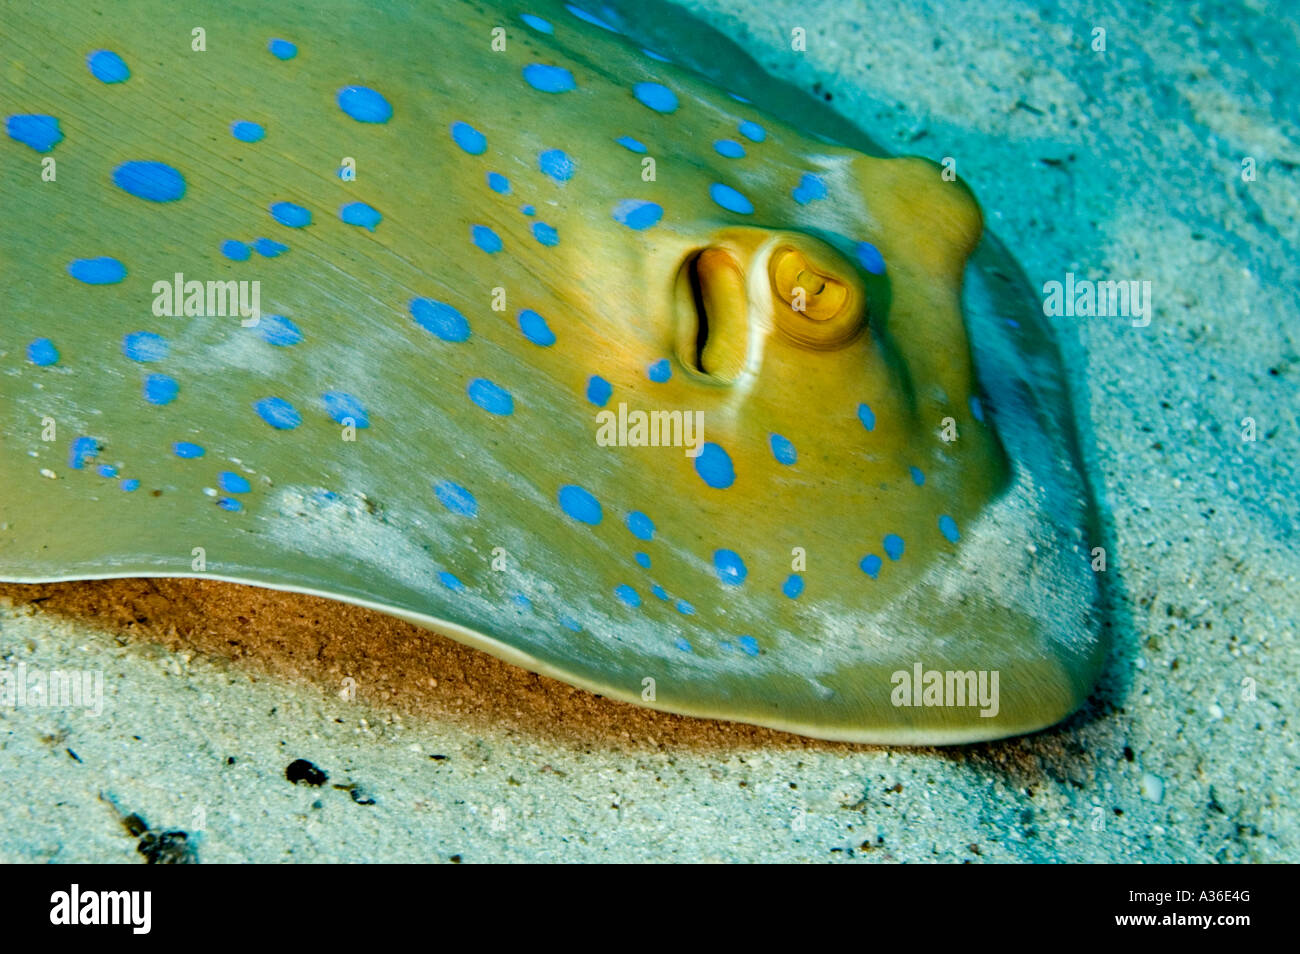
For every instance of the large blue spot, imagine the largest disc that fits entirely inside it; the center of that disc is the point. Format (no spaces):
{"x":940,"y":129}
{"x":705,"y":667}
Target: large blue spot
{"x":82,"y":449}
{"x":628,"y":595}
{"x":729,"y":148}
{"x":360,"y":214}
{"x":291,"y":214}
{"x":867,"y":417}
{"x":948,"y":527}
{"x":655,"y":95}
{"x":456,"y":498}
{"x":40,"y":132}
{"x":893,"y":546}
{"x":278,"y":412}
{"x":598,"y":390}
{"x":491,"y":397}
{"x":748,"y":645}
{"x":97,"y":271}
{"x":537,"y":23}
{"x":468,"y":138}
{"x":731,"y":568}
{"x":160,"y":389}
{"x":145,"y":346}
{"x":485,"y":238}
{"x":869,"y":257}
{"x":714,"y":466}
{"x":556,"y":163}
{"x":809,"y":189}
{"x":660,"y":371}
{"x":730,"y":199}
{"x":269,"y":248}
{"x":364,"y":104}
{"x":279,"y":331}
{"x":782,"y":449}
{"x":343,"y":407}
{"x":233,"y":483}
{"x":498,"y":183}
{"x":637,"y":213}
{"x":42,"y":353}
{"x":793,"y":586}
{"x":871,"y":565}
{"x":282,"y":49}
{"x":440,"y":319}
{"x":107,"y":67}
{"x":236,"y":251}
{"x":546,"y":234}
{"x":642,"y":560}
{"x":548,"y":79}
{"x":154,"y":181}
{"x":640,"y":526}
{"x":245,"y":131}
{"x":579,"y":504}
{"x":188,"y":450}
{"x":631,"y":145}
{"x":535,"y":328}
{"x":752,"y":131}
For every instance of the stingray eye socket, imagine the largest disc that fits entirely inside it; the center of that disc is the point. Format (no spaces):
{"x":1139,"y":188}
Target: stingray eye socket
{"x":814,"y":306}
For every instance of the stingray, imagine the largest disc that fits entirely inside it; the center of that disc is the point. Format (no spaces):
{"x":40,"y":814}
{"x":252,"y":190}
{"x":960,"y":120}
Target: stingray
{"x":561,"y":331}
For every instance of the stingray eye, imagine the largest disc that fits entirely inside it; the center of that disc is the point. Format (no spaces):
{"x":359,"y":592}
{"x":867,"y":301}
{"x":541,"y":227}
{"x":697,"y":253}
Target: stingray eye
{"x":814,"y":306}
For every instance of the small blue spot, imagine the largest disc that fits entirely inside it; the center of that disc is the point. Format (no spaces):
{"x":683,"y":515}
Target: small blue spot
{"x":291,"y":215}
{"x":498,"y":183}
{"x":748,"y":645}
{"x":657,"y":57}
{"x":729,"y":148}
{"x":660,"y":371}
{"x":233,"y":506}
{"x":598,"y":390}
{"x":640,"y":526}
{"x":870,"y":258}
{"x":344,"y":408}
{"x":546,"y":234}
{"x":792,"y":586}
{"x":548,"y":79}
{"x":456,"y":498}
{"x":867,"y":417}
{"x":82,"y":449}
{"x":485,"y":238}
{"x":440,"y":319}
{"x":364,"y":104}
{"x":659,"y":592}
{"x":591,"y":18}
{"x":731,"y":568}
{"x":245,"y":131}
{"x":42,"y":353}
{"x":976,"y":409}
{"x":579,"y":504}
{"x":537,"y":23}
{"x":269,"y":248}
{"x":637,"y":213}
{"x":918,"y":476}
{"x":631,"y":145}
{"x":468,"y":138}
{"x":730,"y":199}
{"x":535,"y":328}
{"x":152,"y":181}
{"x":628,"y":595}
{"x":236,"y":251}
{"x":160,"y":389}
{"x":657,"y":96}
{"x":279,"y":331}
{"x":809,"y":189}
{"x":451,"y":581}
{"x":145,"y":346}
{"x":491,"y":397}
{"x":527,"y":210}
{"x":523,"y":602}
{"x":714,"y":467}
{"x":871,"y":565}
{"x":948,"y":527}
{"x":282,"y":49}
{"x":782,"y":450}
{"x":893,"y":546}
{"x":107,"y":67}
{"x":278,"y":412}
{"x":97,"y":271}
{"x":130,"y":484}
{"x":752,"y":131}
{"x":106,"y":470}
{"x":187,"y":450}
{"x":360,"y":214}
{"x":642,"y":559}
{"x":233,"y":483}
{"x":556,"y":163}
{"x":685,"y":608}
{"x":682,"y":644}
{"x":40,"y":132}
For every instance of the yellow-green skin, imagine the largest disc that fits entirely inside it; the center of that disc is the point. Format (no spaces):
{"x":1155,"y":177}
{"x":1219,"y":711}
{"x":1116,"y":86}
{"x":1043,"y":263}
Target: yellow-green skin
{"x":354,"y":515}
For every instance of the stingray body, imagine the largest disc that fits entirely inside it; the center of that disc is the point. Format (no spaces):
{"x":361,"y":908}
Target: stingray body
{"x":491,"y":318}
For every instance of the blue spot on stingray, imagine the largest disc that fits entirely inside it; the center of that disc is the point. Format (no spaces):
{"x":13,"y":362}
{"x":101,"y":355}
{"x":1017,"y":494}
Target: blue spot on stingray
{"x":730,"y":199}
{"x":154,"y":181}
{"x":364,"y":104}
{"x":233,"y":483}
{"x":361,"y":215}
{"x":729,"y":148}
{"x":290,"y":214}
{"x":485,"y":238}
{"x":106,"y":470}
{"x":269,"y":248}
{"x":657,"y":96}
{"x":282,"y":49}
{"x":546,"y":234}
{"x":658,"y":57}
{"x":548,"y":79}
{"x":130,"y":484}
{"x":145,"y":346}
{"x":642,"y":559}
{"x":809,"y":189}
{"x":752,"y":131}
{"x":535,"y":328}
{"x":278,"y":412}
{"x":976,"y":409}
{"x":918,"y":476}
{"x":731,"y":568}
{"x":343,"y":407}
{"x":568,"y":622}
{"x":640,"y":526}
{"x":491,"y":397}
{"x":869,"y":257}
{"x":468,"y":138}
{"x":537,"y":23}
{"x":556,"y":163}
{"x":229,"y":504}
{"x":579,"y":504}
{"x":236,"y":251}
{"x":659,"y":592}
{"x":682,"y":644}
{"x":631,"y":145}
{"x":523,"y":602}
{"x":440,"y":319}
{"x":782,"y":449}
{"x":279,"y":331}
{"x":245,"y":131}
{"x":748,"y":645}
{"x":40,"y":132}
{"x":42,"y":353}
{"x":498,"y":183}
{"x":948,"y":527}
{"x":187,"y":450}
{"x":685,"y":608}
{"x":598,"y":390}
{"x":160,"y":389}
{"x":792,"y":586}
{"x":637,"y":213}
{"x":527,"y":209}
{"x":714,"y":466}
{"x":456,"y":498}
{"x":107,"y":67}
{"x":591,"y":18}
{"x":628,"y":595}
{"x":867,"y":417}
{"x":451,"y":581}
{"x":97,"y":271}
{"x":81,"y":450}
{"x":660,"y":371}
{"x":893,"y":546}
